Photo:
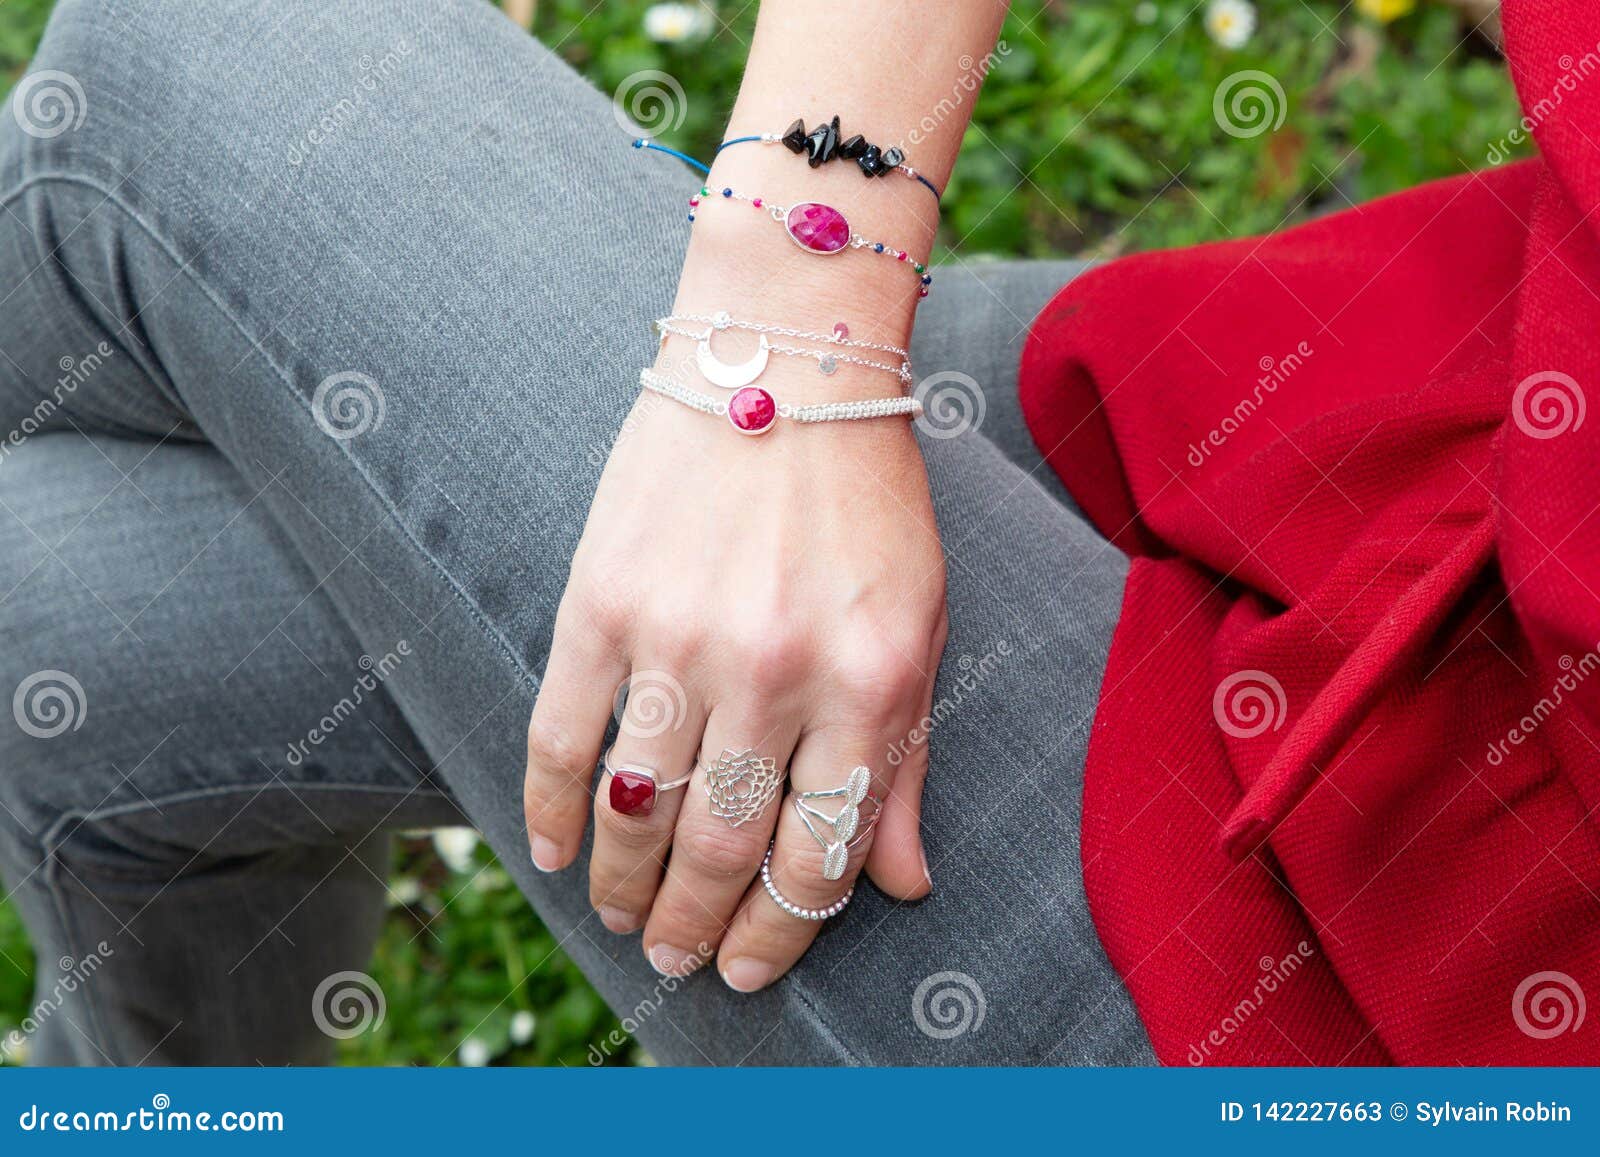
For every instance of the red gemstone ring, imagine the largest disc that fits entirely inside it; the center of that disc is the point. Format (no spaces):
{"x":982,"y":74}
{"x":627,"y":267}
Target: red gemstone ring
{"x":635,"y":788}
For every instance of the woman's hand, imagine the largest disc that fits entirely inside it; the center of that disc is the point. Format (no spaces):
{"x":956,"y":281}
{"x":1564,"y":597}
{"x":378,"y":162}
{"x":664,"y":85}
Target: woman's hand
{"x":781,"y":594}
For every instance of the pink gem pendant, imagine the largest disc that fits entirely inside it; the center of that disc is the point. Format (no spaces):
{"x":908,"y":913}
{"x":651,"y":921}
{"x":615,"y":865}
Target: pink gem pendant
{"x":817,"y":228}
{"x":752,"y":411}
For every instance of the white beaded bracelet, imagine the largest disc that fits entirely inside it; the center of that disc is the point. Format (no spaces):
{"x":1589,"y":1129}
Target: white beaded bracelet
{"x":752,"y":410}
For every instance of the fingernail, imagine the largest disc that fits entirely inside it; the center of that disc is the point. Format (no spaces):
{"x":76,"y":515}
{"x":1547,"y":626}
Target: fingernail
{"x":617,"y":920}
{"x":546,"y":854}
{"x":670,"y":961}
{"x":926,"y":875}
{"x":747,"y":975}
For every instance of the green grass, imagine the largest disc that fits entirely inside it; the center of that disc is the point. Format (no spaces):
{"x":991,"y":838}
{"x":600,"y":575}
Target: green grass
{"x":1096,"y":133}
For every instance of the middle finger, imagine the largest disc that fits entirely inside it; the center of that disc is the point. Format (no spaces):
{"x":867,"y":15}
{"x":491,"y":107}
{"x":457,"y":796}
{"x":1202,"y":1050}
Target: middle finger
{"x":723,"y":830}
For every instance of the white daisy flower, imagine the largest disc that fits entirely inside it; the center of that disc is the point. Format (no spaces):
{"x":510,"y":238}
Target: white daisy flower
{"x":1231,"y":23}
{"x":677,"y":23}
{"x":455,"y":847}
{"x":404,"y":892}
{"x":473,"y":1053}
{"x":522,"y":1026}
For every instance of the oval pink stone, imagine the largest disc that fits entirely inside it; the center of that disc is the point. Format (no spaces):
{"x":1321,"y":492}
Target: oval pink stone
{"x":817,"y":228}
{"x":752,"y":410}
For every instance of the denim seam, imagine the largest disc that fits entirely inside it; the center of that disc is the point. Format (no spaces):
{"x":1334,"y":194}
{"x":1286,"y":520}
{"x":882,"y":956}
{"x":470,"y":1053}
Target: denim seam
{"x":170,"y":251}
{"x":823,"y":1027}
{"x":54,"y":839}
{"x":69,"y":937}
{"x":154,"y":412}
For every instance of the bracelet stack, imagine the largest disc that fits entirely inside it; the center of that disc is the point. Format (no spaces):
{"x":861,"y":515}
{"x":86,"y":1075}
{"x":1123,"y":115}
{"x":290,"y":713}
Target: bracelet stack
{"x":819,"y":229}
{"x":753,"y":410}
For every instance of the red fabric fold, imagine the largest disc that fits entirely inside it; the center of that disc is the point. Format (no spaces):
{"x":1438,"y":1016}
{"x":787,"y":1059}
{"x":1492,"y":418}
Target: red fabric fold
{"x":1341,"y":803}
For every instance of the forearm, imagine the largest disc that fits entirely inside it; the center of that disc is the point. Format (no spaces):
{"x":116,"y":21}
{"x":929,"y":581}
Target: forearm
{"x":900,"y":73}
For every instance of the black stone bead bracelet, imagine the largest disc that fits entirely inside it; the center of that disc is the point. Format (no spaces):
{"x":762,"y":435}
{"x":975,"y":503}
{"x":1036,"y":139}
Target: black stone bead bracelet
{"x":825,"y":143}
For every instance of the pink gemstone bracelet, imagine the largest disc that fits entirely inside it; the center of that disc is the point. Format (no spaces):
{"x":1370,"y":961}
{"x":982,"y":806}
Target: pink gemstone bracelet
{"x":751,"y":410}
{"x":818,"y":228}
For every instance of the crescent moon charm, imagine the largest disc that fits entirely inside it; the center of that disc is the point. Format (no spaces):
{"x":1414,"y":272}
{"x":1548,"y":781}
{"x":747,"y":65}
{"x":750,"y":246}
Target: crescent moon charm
{"x":730,"y":377}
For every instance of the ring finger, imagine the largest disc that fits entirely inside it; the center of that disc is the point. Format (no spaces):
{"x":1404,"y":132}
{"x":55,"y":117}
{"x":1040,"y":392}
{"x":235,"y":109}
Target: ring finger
{"x":639,"y":795}
{"x":824,"y":833}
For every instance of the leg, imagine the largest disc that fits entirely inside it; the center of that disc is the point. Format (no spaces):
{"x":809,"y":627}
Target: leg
{"x":489,"y":264}
{"x":186,"y":872}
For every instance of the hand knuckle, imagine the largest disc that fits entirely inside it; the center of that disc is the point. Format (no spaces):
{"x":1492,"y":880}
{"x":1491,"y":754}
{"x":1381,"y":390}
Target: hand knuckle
{"x":880,"y":675}
{"x":555,"y":752}
{"x":729,"y":853}
{"x":631,"y":833}
{"x":772,"y":659}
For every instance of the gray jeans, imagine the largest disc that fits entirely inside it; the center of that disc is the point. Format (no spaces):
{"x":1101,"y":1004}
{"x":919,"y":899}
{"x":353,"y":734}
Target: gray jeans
{"x":209,"y":562}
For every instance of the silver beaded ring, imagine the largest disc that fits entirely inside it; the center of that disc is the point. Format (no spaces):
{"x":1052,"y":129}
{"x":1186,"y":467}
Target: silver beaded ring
{"x":794,"y":909}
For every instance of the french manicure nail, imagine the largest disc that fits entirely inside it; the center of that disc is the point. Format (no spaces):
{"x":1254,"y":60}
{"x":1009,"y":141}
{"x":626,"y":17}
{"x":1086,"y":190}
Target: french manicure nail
{"x":546,"y":854}
{"x":747,"y":975}
{"x":670,"y":961}
{"x":617,"y":920}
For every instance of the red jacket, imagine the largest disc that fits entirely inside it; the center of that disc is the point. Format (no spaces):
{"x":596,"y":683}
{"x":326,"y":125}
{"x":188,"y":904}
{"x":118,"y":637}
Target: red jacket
{"x":1341,"y":803}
